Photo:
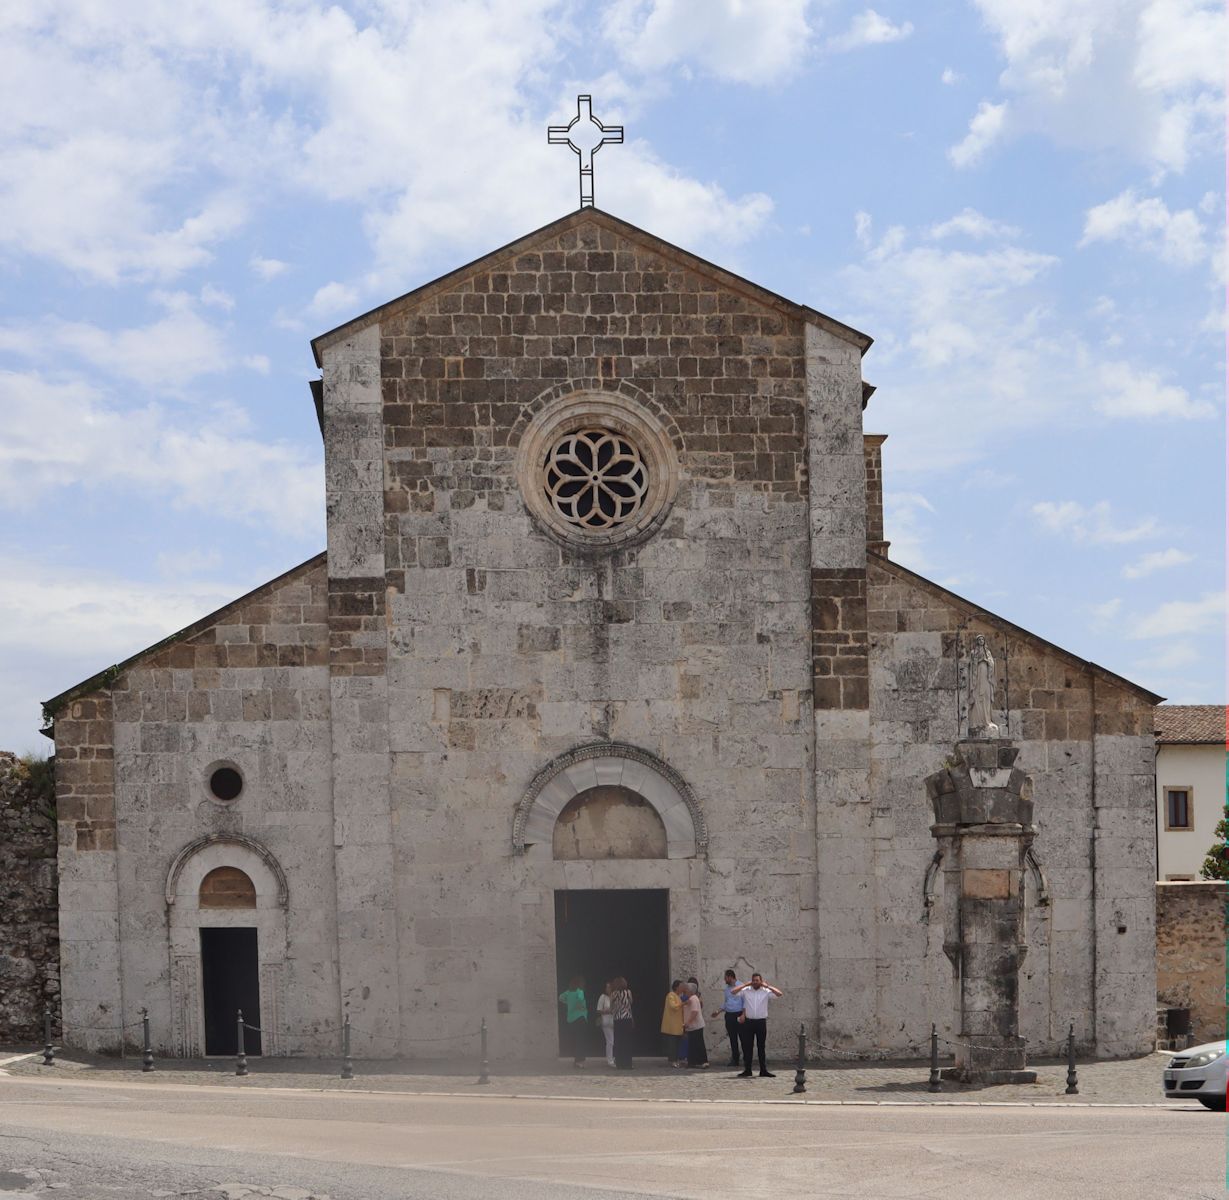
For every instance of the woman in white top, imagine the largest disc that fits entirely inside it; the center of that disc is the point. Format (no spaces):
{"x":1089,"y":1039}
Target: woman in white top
{"x":605,"y":1018}
{"x":693,"y":1024}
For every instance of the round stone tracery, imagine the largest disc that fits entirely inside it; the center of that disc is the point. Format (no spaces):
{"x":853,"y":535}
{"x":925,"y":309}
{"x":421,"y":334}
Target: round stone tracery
{"x":597,"y":470}
{"x":595,"y":479}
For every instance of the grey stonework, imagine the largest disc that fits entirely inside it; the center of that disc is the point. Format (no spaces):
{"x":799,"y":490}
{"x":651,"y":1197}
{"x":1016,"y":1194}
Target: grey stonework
{"x":29,"y":932}
{"x":983,"y":811}
{"x":391,"y":707}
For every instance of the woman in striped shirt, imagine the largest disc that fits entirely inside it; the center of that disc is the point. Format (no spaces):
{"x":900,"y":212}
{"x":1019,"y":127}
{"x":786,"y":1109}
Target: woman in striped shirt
{"x":621,"y":1009}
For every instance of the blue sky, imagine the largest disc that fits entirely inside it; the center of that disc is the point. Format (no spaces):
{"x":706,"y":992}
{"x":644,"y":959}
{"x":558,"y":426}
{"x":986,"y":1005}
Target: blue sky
{"x":1022,"y":201}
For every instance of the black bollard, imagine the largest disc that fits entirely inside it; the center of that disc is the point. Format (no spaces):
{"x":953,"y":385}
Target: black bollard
{"x":484,"y":1075}
{"x":800,"y":1074}
{"x":147,"y":1049}
{"x":934,"y":1084}
{"x":241,"y":1059}
{"x":347,"y":1064}
{"x":1073,"y":1081}
{"x":48,"y":1048}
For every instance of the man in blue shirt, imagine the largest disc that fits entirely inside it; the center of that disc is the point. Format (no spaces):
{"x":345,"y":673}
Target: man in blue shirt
{"x":732,"y":1006}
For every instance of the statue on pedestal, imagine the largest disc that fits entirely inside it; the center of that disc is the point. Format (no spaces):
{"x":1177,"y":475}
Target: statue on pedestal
{"x":981,"y":690}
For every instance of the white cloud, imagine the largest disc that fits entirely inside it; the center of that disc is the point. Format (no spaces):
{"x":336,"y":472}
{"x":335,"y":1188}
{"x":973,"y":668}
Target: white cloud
{"x":1104,"y":615}
{"x":1158,"y":560}
{"x":985,"y":128}
{"x":868,"y":28}
{"x":906,"y":525}
{"x":257,"y":362}
{"x":334,"y":299}
{"x":165,"y":354}
{"x":268,"y":268}
{"x":731,"y":39}
{"x":1169,"y":658}
{"x":972,"y":346}
{"x":1142,"y":77}
{"x":1147,"y":223}
{"x":174,"y":564}
{"x":949,"y":77}
{"x":1127,"y":392}
{"x":68,"y":433}
{"x":970,"y":223}
{"x":184,"y":119}
{"x":217,"y":297}
{"x":1179,"y":618}
{"x":1091,"y":525}
{"x":862,"y":227}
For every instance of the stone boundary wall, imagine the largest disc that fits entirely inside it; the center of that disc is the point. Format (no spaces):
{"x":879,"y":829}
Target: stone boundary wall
{"x":1190,"y":953}
{"x":29,"y":928}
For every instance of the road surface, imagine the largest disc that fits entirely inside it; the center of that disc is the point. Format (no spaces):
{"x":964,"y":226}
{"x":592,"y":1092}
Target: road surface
{"x":104,"y":1141}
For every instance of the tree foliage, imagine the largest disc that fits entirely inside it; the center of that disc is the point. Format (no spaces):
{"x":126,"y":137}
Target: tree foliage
{"x":1216,"y":865}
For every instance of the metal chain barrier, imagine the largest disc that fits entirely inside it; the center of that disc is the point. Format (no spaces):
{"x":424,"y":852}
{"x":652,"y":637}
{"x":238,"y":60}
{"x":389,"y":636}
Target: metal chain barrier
{"x":291,"y":1044}
{"x":1068,"y":1046}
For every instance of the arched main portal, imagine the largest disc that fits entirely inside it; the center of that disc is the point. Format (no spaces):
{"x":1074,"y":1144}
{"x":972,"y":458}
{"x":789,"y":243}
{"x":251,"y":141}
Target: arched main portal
{"x":611,"y":838}
{"x":226,"y":899}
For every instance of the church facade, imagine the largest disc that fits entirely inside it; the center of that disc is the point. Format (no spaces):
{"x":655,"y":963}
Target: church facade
{"x":606,"y":670}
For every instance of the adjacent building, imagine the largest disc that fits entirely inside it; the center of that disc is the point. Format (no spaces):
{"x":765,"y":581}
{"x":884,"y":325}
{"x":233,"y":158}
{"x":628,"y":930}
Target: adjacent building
{"x":1190,"y":786}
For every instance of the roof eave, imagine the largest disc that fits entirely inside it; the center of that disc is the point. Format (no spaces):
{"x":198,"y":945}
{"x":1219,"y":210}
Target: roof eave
{"x":113,"y":672}
{"x":1020,"y":631}
{"x":451,"y":278}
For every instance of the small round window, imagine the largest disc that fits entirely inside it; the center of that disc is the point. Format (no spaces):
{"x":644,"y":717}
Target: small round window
{"x":225,"y":783}
{"x":595,"y":479}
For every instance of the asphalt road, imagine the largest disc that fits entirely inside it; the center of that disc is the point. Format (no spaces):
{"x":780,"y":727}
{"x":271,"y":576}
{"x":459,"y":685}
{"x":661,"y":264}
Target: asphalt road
{"x":101,"y":1141}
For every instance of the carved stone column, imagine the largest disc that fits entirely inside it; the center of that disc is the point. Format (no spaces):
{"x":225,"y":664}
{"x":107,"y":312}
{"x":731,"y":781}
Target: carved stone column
{"x":984,"y":825}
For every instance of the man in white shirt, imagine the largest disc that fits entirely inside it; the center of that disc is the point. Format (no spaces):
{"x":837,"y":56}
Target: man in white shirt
{"x":753,"y":1028}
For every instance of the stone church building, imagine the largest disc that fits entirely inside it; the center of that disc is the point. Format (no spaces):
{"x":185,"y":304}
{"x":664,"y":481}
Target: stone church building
{"x":606,"y":670}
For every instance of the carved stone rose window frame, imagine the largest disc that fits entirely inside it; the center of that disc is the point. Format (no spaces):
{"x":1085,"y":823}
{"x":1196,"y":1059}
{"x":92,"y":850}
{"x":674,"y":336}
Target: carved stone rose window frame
{"x":547,"y":440}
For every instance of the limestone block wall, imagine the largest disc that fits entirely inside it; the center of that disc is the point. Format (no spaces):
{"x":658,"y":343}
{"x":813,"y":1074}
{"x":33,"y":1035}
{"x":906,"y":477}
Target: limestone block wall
{"x":29,"y":931}
{"x":1088,"y":744}
{"x":88,"y":881}
{"x":1190,"y":953}
{"x":507,"y":649}
{"x":247,"y":688}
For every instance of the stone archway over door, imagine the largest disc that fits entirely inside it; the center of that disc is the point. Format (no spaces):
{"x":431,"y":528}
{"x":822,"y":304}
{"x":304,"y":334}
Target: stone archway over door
{"x":616,"y":765}
{"x":186,"y":917}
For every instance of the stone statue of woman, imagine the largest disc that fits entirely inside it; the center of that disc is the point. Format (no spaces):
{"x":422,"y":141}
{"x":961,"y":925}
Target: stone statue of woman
{"x":981,"y":690}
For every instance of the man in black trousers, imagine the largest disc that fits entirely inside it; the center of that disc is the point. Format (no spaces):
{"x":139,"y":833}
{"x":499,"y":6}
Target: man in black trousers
{"x":753,"y":1028}
{"x":732,"y":1007}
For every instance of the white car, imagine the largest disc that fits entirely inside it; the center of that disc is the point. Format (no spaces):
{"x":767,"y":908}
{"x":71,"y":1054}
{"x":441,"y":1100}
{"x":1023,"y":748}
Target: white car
{"x":1200,"y":1073}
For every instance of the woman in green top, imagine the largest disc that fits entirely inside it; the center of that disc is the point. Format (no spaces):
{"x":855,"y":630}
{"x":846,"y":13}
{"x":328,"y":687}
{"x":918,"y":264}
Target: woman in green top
{"x":577,"y":1017}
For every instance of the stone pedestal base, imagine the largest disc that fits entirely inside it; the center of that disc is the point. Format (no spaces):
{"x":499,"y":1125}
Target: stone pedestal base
{"x":982,"y":1062}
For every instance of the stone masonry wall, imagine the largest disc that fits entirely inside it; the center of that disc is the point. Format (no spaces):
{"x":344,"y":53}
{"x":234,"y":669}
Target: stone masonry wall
{"x":249,"y":689}
{"x":507,"y":649}
{"x":1190,"y":953}
{"x":29,"y":932}
{"x":1087,"y":741}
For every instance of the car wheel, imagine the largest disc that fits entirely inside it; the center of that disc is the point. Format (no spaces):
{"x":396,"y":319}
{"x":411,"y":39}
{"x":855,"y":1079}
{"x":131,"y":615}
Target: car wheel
{"x":1215,"y":1103}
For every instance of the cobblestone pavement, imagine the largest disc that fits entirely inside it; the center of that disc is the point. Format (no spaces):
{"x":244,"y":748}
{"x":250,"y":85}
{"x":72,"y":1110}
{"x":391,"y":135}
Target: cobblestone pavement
{"x":1124,"y":1081}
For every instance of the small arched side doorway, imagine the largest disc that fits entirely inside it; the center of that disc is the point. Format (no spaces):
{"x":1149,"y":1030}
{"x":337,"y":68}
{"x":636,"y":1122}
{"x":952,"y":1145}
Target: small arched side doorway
{"x":226,"y":901}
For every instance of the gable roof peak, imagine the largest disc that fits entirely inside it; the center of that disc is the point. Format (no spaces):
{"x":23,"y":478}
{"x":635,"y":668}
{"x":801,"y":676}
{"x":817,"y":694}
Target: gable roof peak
{"x":603,"y":220}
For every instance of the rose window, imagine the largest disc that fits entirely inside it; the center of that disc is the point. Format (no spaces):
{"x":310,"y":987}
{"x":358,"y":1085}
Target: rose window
{"x":595,"y":479}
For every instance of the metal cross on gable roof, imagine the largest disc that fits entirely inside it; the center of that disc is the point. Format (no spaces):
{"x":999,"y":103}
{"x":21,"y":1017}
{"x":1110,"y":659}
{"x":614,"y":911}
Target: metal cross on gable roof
{"x":586,"y":135}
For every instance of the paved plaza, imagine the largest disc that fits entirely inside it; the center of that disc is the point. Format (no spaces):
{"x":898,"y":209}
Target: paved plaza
{"x":81,"y":1134}
{"x":1125,"y":1081}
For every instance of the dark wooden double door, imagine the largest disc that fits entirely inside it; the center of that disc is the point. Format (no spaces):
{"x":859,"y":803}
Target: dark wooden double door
{"x":230,"y":982}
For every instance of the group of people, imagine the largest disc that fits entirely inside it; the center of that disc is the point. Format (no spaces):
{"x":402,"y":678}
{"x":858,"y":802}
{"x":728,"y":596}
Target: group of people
{"x":744,"y":1006}
{"x":613,"y":1015}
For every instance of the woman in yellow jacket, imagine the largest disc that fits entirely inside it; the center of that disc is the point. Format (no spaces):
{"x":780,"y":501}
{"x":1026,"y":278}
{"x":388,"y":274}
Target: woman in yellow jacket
{"x":672,"y":1027}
